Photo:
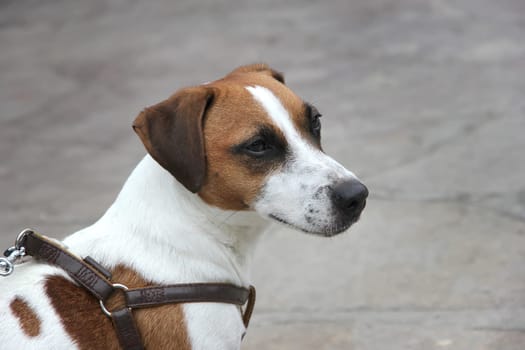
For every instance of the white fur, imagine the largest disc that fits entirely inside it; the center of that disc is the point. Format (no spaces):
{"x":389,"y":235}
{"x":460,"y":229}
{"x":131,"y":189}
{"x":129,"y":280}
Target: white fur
{"x":299,"y":193}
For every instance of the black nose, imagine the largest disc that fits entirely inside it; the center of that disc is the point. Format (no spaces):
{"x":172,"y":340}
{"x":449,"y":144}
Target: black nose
{"x":350,"y":197}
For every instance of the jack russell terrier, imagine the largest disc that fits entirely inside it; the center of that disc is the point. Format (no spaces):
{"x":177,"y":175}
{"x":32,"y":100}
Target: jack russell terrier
{"x":224,"y":160}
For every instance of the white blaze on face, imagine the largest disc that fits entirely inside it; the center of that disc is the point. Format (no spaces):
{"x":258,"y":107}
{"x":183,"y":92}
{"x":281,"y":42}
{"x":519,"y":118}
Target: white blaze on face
{"x":299,"y":192}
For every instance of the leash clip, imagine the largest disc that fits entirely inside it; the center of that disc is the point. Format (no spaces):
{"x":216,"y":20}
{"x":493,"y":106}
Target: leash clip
{"x":12,"y":254}
{"x":6,"y":267}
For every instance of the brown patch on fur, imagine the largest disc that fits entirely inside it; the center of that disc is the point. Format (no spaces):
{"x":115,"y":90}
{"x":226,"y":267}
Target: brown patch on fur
{"x":260,"y":68}
{"x":295,"y":106}
{"x":161,"y":327}
{"x":233,"y":118}
{"x":27,"y":317}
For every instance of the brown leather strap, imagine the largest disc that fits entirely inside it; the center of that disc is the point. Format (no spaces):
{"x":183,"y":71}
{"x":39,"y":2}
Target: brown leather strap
{"x":193,"y":293}
{"x":249,"y":307}
{"x":89,"y":260}
{"x":127,"y":332}
{"x":44,"y":249}
{"x":186,"y":293}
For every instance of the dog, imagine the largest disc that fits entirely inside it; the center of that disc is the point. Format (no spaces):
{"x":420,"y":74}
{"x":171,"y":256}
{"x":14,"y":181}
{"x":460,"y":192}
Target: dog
{"x":225,"y":160}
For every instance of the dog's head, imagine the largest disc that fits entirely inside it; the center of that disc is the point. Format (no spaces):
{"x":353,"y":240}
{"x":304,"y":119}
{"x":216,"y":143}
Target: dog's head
{"x":247,"y":142}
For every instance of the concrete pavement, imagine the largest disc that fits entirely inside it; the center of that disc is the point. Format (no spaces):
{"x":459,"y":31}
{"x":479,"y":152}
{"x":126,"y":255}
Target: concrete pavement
{"x":424,"y":100}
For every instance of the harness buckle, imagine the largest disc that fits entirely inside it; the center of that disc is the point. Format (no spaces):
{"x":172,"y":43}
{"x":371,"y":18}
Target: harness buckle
{"x":103,"y":307}
{"x":12,"y":254}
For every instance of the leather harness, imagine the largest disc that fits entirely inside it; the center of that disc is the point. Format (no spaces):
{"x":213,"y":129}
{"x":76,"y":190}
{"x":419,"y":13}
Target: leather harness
{"x":97,"y":281}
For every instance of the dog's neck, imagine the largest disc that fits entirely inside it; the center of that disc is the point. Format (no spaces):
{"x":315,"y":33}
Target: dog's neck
{"x":167,"y":231}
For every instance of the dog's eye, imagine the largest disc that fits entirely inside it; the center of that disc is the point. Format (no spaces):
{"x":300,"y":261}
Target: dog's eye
{"x":315,"y":124}
{"x":313,"y":118}
{"x":258,"y":147}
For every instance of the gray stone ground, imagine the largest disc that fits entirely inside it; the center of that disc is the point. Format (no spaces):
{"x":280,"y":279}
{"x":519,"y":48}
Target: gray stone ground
{"x":425,"y":100}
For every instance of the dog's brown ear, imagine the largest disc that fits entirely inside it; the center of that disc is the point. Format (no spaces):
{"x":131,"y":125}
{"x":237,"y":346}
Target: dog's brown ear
{"x":260,"y":68}
{"x":172,"y":132}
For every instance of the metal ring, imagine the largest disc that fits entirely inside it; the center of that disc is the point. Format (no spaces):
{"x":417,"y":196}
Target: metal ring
{"x":6,"y":267}
{"x":103,"y":307}
{"x":21,"y":237}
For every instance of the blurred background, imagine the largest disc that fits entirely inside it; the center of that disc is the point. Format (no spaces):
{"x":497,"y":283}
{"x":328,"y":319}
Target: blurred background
{"x":424,"y":100}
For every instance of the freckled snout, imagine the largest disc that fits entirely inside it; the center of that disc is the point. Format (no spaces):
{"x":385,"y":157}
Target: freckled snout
{"x":349,"y":197}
